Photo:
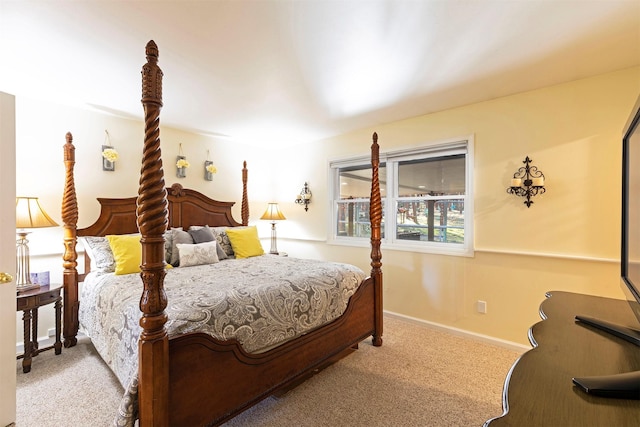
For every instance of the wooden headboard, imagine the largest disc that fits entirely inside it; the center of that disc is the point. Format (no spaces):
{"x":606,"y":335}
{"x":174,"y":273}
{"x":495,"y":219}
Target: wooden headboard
{"x":186,"y":208}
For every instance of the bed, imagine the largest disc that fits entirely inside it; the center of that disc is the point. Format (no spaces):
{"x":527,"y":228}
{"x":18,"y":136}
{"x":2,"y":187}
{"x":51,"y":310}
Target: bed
{"x":185,"y":376}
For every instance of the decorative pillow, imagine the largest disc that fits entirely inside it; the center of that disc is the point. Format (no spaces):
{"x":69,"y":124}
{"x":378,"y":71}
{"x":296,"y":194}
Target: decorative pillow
{"x":182,"y":237}
{"x":168,"y":245}
{"x":223,"y":240}
{"x":197,"y":254}
{"x":99,"y":253}
{"x":201,"y":234}
{"x":221,"y":253}
{"x":127,"y":252}
{"x":245,"y":241}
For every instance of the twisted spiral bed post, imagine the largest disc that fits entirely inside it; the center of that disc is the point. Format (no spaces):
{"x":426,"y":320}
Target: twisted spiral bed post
{"x":245,"y":201}
{"x":152,"y":218}
{"x":70,"y":256}
{"x":375,"y":215}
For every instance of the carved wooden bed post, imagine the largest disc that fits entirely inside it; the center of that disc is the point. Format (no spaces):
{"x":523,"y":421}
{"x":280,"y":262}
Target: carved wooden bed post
{"x":152,"y":214}
{"x":69,"y":221}
{"x":375,"y":215}
{"x":245,"y":202}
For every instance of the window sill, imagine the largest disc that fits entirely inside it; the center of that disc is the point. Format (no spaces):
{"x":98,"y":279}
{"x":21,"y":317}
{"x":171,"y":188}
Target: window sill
{"x":432,"y":248}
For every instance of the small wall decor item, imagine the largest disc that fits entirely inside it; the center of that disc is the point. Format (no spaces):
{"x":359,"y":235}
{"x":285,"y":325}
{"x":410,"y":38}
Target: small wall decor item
{"x":41,"y":278}
{"x":209,"y":169}
{"x":109,"y":154}
{"x":527,"y":182}
{"x":181,"y":164}
{"x":304,"y":198}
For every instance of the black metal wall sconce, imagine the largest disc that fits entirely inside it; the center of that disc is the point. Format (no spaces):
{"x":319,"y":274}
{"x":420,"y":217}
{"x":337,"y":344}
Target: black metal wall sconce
{"x":304,"y":198}
{"x":527,"y":182}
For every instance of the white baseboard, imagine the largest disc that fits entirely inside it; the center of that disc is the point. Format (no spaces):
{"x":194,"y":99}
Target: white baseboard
{"x":46,"y":341}
{"x":521,"y":348}
{"x":42,"y":341}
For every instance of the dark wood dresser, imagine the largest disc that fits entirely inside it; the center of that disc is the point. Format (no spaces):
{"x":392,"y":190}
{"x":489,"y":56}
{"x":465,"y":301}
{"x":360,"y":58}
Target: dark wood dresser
{"x":539,"y":390}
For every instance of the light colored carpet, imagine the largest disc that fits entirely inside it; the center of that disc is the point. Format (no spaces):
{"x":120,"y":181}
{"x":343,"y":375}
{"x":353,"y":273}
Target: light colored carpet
{"x":419,"y":377}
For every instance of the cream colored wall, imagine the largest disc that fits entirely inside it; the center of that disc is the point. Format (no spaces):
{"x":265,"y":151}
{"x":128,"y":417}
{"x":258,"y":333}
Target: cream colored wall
{"x":40,"y":136}
{"x":567,"y":240}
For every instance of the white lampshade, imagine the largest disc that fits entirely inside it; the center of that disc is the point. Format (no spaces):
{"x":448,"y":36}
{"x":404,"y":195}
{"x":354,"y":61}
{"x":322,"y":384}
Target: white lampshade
{"x":29,"y":214}
{"x":273,"y":213}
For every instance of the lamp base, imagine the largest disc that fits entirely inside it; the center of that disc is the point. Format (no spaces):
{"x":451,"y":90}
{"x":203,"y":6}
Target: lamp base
{"x":26,"y":287}
{"x":23,"y":281}
{"x":274,"y":243}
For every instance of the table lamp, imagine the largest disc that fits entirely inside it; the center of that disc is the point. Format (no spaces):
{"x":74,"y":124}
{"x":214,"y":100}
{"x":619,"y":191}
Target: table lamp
{"x":273,"y":214}
{"x":29,"y":214}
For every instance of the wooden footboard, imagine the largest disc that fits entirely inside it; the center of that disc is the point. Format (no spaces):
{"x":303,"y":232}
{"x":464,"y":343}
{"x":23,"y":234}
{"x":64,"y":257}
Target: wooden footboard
{"x":212,"y":381}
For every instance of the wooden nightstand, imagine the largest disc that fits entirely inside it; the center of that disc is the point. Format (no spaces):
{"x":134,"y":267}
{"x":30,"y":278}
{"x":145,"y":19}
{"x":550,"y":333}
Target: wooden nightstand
{"x":28,"y":302}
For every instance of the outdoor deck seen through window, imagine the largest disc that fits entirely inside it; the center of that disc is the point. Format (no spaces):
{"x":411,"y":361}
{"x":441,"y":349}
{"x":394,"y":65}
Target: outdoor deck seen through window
{"x":427,"y":200}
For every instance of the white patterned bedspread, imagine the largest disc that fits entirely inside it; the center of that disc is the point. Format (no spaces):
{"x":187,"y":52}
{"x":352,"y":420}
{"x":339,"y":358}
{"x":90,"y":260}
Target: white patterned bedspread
{"x":261,"y":301}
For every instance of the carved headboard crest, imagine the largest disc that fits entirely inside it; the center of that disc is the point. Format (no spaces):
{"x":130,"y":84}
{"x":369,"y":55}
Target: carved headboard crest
{"x":176,"y":190}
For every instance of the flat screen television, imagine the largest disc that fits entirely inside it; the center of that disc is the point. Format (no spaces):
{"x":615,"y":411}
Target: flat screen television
{"x":624,"y":385}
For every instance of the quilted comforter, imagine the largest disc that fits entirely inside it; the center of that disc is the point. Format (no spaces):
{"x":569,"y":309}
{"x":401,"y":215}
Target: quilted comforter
{"x":261,"y":301}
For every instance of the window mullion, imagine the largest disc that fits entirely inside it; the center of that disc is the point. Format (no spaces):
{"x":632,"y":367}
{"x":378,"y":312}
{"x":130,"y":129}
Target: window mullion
{"x":392,"y":188}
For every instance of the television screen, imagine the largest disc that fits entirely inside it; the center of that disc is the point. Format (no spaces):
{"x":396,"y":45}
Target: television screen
{"x":630,"y":261}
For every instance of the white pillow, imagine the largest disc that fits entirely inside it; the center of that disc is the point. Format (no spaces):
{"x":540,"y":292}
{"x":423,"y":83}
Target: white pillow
{"x":99,"y":252}
{"x":197,"y":254}
{"x":179,"y":236}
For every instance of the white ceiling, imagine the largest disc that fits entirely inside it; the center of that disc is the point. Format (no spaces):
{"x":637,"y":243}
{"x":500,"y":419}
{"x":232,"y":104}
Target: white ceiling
{"x":283,"y":72}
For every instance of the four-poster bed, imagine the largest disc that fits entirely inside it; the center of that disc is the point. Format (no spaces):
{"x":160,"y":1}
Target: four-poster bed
{"x":197,"y":378}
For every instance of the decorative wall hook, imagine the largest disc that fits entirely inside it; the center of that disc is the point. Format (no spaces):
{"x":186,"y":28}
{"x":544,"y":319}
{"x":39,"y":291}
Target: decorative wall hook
{"x":181,"y":164}
{"x":527,"y":182}
{"x":304,"y":198}
{"x":209,"y":169}
{"x":109,"y":154}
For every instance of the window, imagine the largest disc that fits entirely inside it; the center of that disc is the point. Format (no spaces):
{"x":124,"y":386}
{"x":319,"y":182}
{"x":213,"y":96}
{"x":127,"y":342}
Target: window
{"x":426,"y":199}
{"x":354,"y":187}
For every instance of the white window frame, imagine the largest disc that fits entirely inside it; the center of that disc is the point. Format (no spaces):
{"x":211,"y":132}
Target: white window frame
{"x":391,"y":159}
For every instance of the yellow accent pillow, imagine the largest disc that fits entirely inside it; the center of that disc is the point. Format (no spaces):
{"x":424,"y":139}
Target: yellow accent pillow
{"x":245,"y":242}
{"x":127,"y":252}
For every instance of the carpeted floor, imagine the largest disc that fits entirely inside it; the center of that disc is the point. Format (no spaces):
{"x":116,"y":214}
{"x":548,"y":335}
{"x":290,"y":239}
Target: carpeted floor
{"x":419,"y":377}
